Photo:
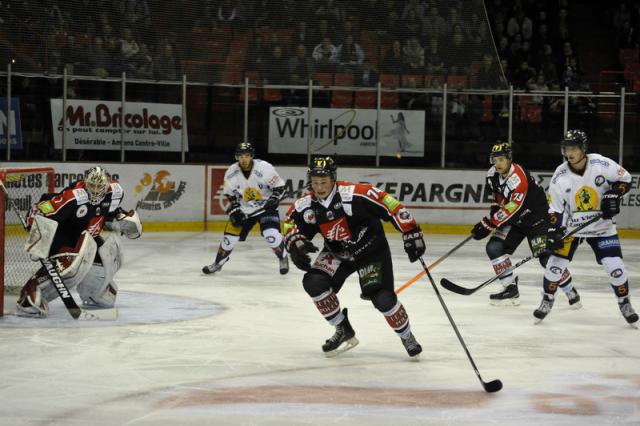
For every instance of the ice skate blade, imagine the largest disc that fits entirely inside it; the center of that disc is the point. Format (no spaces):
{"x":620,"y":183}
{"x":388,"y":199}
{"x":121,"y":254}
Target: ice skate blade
{"x":514,"y":301}
{"x":345,"y":346}
{"x":576,"y":306}
{"x":538,"y":321}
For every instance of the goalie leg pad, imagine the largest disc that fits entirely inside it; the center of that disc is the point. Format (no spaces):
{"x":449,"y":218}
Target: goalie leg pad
{"x":31,"y":303}
{"x":74,"y":266}
{"x":96,"y":291}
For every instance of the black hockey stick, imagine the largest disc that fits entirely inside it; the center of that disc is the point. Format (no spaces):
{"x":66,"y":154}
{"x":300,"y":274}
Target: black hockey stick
{"x":492,"y":386}
{"x":451,"y":286}
{"x":58,"y":283}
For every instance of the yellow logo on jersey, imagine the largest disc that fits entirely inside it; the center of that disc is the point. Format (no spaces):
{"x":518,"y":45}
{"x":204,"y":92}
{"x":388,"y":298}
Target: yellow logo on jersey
{"x":251,"y":194}
{"x":46,"y":207}
{"x":587,"y":199}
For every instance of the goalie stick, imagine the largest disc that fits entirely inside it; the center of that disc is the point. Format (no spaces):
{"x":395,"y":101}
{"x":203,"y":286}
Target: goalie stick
{"x":455,"y":288}
{"x":492,"y":386}
{"x":58,"y":283}
{"x":433,"y":265}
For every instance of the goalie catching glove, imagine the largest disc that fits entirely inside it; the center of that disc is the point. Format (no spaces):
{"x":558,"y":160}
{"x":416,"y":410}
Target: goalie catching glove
{"x":299,"y":248}
{"x":414,"y":244}
{"x":126,"y":223}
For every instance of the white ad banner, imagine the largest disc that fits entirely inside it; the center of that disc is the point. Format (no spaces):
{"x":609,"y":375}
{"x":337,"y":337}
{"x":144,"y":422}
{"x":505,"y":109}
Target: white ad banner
{"x":98,"y":125}
{"x":346,"y":131}
{"x":160,"y":193}
{"x":433,"y":196}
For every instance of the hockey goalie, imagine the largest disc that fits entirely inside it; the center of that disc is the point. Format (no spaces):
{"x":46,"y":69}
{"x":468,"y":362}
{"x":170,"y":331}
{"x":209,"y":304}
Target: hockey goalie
{"x":65,"y":227}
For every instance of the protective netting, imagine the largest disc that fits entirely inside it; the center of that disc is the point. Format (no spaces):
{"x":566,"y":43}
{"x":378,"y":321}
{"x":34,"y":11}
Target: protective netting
{"x":411,"y":43}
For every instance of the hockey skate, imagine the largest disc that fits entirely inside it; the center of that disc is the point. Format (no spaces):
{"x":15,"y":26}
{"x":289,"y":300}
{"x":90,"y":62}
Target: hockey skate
{"x":509,"y":296}
{"x":343,"y":339}
{"x":214,"y":267}
{"x":412,"y":346}
{"x":574,"y":299}
{"x":284,"y":265}
{"x":628,"y":312}
{"x":544,"y":308}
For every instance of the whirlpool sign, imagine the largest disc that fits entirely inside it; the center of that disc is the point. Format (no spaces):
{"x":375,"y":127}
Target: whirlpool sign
{"x":346,"y":131}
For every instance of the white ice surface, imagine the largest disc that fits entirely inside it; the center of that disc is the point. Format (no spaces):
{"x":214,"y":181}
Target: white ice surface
{"x":243,"y":347}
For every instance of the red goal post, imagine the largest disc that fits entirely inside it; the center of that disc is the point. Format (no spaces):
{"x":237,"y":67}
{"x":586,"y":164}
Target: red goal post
{"x":24,"y":185}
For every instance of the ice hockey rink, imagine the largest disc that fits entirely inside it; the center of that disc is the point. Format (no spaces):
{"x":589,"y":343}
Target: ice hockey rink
{"x":242,"y":347}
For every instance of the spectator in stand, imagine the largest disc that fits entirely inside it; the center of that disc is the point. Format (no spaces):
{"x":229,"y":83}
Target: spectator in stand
{"x":489,"y":75}
{"x":144,"y":63}
{"x":350,"y":55}
{"x":457,"y":63}
{"x":227,"y":15}
{"x":367,"y":76}
{"x":627,"y":37}
{"x":257,"y":54}
{"x":547,"y":64}
{"x":330,"y":10}
{"x":418,"y":8}
{"x":434,"y":25}
{"x":434,"y":58}
{"x":520,"y":24}
{"x":301,"y":67}
{"x":302,"y":36}
{"x":325,"y":55}
{"x":522,"y":75}
{"x":98,"y":60}
{"x":412,"y":24}
{"x":347,"y":31}
{"x":72,"y":55}
{"x":128,"y":46}
{"x":320,"y":33}
{"x":276,"y":69}
{"x":138,"y":15}
{"x":166,"y":67}
{"x":413,"y":55}
{"x":393,"y":62}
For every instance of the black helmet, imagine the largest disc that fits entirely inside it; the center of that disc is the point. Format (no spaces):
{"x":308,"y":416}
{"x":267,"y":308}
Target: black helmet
{"x":574,"y":138}
{"x":500,"y":149}
{"x":245,"y":148}
{"x":323,"y":166}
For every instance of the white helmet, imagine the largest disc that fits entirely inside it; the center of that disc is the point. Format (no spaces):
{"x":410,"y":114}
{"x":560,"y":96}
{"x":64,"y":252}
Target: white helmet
{"x":96,"y":183}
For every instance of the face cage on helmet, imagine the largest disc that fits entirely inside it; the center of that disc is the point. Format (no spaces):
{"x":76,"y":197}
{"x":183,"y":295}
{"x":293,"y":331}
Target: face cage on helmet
{"x":97,"y":190}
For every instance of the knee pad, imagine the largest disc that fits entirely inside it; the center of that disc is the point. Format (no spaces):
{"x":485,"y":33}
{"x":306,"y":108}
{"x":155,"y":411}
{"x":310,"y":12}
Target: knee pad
{"x":384,"y":300}
{"x":615,"y":269}
{"x":554,"y":268}
{"x":315,"y":283}
{"x":272,"y":236}
{"x":229,"y":241}
{"x":96,"y":290}
{"x":495,"y":248}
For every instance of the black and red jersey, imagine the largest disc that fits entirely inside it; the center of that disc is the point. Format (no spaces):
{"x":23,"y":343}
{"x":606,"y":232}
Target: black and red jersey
{"x":519,"y":198}
{"x":74,"y":214}
{"x":349,"y":219}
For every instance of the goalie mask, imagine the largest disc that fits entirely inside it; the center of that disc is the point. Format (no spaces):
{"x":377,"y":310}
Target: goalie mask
{"x":96,"y":183}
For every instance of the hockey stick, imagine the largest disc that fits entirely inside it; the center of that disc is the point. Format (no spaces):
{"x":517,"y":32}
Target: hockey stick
{"x":433,"y":265}
{"x":451,"y":286}
{"x":492,"y":386}
{"x":261,"y":210}
{"x":58,"y":283}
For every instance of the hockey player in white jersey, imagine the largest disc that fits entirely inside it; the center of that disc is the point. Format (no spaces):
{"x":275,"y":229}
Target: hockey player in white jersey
{"x":585,"y":186}
{"x":253,"y":189}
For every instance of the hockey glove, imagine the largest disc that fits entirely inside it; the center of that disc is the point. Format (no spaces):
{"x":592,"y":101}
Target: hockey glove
{"x":610,"y":204}
{"x":299,"y":248}
{"x":236,"y":215}
{"x":555,"y":237}
{"x":414,"y":244}
{"x":539,"y":246}
{"x":272,"y":202}
{"x":482,"y":229}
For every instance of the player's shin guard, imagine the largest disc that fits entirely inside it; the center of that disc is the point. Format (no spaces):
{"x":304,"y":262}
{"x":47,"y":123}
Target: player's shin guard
{"x":398,"y":320}
{"x":509,"y":294}
{"x":31,"y":303}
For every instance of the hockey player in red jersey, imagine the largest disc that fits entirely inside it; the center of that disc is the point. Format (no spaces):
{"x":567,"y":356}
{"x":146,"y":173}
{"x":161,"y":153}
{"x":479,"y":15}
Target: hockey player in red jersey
{"x":348,"y":216}
{"x":65,"y":227}
{"x":519,"y":211}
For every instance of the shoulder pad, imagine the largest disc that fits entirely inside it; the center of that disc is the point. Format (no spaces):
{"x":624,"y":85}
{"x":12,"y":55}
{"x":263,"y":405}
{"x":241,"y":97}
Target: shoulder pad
{"x":232,"y":171}
{"x":116,"y":190}
{"x":346,"y":190}
{"x":302,"y":203}
{"x":561,"y":170}
{"x":492,"y":171}
{"x":81,"y":195}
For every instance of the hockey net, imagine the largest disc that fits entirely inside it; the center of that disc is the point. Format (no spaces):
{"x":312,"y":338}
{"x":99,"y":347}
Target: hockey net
{"x":24,"y":187}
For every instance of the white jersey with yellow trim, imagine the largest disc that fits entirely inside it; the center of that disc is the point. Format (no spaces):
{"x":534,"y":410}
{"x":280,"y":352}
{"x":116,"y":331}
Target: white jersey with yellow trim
{"x":254,"y":191}
{"x":578,"y":197}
